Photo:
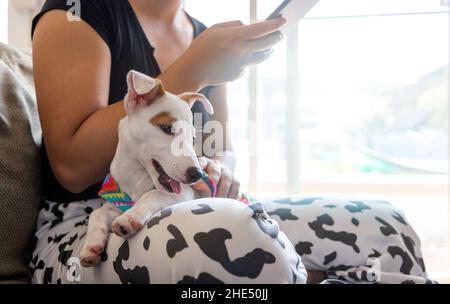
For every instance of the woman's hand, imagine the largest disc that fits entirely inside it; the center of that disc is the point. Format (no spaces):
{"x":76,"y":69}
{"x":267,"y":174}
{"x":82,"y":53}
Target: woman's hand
{"x":222,"y":52}
{"x":227,"y":185}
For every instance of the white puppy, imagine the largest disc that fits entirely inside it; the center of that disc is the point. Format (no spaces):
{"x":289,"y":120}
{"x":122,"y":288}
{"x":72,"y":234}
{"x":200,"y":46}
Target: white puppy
{"x":146,"y":168}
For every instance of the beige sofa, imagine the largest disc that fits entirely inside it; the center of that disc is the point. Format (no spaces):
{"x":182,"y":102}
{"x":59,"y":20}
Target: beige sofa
{"x":20,"y":138}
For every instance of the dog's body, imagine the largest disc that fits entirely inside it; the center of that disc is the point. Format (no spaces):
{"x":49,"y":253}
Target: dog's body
{"x":154,"y":164}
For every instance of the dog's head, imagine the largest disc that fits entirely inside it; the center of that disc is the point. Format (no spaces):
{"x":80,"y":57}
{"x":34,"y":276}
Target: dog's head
{"x":160,"y":132}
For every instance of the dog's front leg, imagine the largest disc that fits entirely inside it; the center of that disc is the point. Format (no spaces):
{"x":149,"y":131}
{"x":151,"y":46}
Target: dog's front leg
{"x":99,"y":226}
{"x":153,"y":201}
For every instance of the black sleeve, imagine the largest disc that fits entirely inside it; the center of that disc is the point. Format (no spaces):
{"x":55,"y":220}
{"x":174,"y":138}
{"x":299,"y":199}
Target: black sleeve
{"x":96,"y":13}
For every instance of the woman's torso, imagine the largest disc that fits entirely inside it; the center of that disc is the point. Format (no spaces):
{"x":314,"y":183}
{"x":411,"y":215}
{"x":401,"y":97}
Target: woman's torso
{"x":117,"y":24}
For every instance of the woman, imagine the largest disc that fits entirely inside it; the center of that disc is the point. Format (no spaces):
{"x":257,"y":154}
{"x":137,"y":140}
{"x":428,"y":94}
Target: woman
{"x":80,"y":69}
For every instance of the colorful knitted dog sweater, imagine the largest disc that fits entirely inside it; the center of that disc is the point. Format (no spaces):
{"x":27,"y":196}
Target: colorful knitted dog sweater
{"x":111,"y":193}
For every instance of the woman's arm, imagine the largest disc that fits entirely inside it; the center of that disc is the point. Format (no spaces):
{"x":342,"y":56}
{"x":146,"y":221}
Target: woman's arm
{"x":72,"y":71}
{"x":218,"y":98}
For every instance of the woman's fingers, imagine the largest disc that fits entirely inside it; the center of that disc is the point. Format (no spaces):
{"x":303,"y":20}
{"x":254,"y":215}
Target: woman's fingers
{"x":203,"y":162}
{"x":202,"y":189}
{"x":260,"y":29}
{"x":227,"y":185}
{"x":265,"y":42}
{"x":261,"y":49}
{"x":229,"y":23}
{"x":234,"y":189}
{"x":214,"y":170}
{"x":226,"y":180}
{"x":259,"y":57}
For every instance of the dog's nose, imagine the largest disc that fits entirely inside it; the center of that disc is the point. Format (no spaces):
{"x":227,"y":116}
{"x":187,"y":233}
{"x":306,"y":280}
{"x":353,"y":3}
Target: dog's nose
{"x":193,"y":174}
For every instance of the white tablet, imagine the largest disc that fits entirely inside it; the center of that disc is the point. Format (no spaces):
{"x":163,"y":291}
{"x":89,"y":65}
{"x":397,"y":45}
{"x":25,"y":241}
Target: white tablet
{"x":293,"y":11}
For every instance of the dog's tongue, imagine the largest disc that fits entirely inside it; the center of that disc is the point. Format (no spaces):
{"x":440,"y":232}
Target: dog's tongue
{"x":175,"y":186}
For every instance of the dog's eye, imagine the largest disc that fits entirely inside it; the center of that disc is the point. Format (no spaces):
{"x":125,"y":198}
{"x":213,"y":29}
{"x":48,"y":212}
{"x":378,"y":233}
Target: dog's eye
{"x":166,"y":129}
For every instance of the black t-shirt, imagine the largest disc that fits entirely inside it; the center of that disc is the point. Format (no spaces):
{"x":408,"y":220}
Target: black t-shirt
{"x":116,"y":23}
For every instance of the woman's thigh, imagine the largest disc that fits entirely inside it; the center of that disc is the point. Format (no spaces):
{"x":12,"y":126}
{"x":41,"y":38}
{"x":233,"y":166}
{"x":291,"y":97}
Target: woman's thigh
{"x":202,"y":241}
{"x":356,"y":241}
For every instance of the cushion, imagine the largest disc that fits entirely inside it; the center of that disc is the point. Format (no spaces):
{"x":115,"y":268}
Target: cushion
{"x":20,"y":139}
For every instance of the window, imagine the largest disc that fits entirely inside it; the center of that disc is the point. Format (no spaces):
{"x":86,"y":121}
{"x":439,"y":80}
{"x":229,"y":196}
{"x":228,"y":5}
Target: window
{"x":354,"y":104}
{"x":15,"y":21}
{"x":373,"y":110}
{"x":4,"y":21}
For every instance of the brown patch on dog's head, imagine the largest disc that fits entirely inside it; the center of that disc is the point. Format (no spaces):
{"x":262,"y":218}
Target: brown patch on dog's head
{"x":162,"y":119}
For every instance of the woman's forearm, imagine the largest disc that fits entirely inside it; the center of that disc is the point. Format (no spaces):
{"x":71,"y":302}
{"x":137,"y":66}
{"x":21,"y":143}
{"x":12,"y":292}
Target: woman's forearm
{"x":91,"y":149}
{"x":180,"y":77}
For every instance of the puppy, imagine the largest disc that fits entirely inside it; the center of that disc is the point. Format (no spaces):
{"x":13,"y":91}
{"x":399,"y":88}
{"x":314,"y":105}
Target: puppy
{"x":154,"y":165}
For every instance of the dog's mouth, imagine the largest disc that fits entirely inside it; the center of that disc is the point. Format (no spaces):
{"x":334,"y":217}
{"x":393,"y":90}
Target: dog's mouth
{"x":165,"y":180}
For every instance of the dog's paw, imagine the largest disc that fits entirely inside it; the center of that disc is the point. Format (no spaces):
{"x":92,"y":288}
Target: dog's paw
{"x":90,"y":255}
{"x":125,"y":226}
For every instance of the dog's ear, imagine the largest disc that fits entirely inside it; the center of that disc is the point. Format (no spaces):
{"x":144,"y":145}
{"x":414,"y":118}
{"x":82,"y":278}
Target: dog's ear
{"x":142,"y":90}
{"x":192,"y":98}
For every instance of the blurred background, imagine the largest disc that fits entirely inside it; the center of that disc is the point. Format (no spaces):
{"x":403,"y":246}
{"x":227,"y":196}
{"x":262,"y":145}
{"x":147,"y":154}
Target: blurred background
{"x":353,"y":104}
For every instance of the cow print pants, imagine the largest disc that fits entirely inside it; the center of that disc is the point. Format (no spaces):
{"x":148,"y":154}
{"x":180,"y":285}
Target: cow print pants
{"x":225,"y":241}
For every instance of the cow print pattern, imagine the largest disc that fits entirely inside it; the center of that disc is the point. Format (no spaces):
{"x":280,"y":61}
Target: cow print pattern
{"x":203,"y":278}
{"x":146,"y":243}
{"x":202,"y":210}
{"x":177,"y":244}
{"x":223,"y":241}
{"x":338,"y":236}
{"x":139,"y":274}
{"x":250,"y":265}
{"x":354,"y":241}
{"x":284,"y":214}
